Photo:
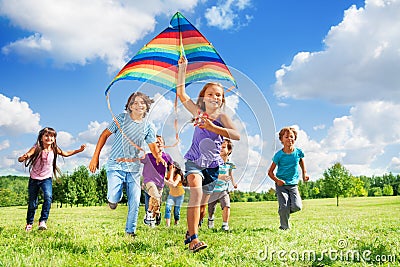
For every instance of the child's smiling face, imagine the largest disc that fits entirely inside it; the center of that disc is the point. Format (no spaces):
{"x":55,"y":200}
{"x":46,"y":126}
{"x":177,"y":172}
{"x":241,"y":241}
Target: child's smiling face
{"x":213,"y":96}
{"x":138,"y":106}
{"x":48,"y":139}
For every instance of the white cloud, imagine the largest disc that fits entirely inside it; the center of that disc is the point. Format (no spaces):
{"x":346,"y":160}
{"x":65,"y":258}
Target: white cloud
{"x":319,"y":127}
{"x":394,"y":165}
{"x":64,"y":139}
{"x":94,"y":130}
{"x":4,"y":144}
{"x":68,"y":36}
{"x":360,"y":62}
{"x":17,"y":117}
{"x":224,"y":14}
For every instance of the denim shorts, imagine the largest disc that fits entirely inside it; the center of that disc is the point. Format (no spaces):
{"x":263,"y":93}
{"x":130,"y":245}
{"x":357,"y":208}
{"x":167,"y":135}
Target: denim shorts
{"x":209,"y":176}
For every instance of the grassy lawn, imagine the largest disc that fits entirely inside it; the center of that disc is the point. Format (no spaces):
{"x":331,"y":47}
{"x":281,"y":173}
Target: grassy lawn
{"x":360,"y":232}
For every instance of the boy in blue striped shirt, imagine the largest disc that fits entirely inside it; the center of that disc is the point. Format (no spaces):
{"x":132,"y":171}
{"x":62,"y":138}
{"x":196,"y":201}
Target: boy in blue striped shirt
{"x":131,"y":131}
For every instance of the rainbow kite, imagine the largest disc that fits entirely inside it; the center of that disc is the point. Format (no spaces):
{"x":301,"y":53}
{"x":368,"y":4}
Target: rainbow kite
{"x":157,"y":61}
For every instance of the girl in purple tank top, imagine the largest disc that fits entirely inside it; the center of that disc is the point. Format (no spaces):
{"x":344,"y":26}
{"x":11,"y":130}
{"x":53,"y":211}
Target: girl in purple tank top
{"x":203,"y":157}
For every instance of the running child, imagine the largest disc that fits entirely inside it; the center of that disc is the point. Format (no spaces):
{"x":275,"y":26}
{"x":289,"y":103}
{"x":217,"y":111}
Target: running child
{"x":203,"y":157}
{"x":42,"y":162}
{"x":287,"y":176}
{"x":221,"y":193}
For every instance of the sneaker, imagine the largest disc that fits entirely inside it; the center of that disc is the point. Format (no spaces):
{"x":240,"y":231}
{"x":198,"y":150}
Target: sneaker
{"x":132,"y":235}
{"x":210,"y":223}
{"x":42,"y":225}
{"x":112,"y":206}
{"x":225,"y":227}
{"x":158,"y":219}
{"x":28,"y":227}
{"x":149,"y":220}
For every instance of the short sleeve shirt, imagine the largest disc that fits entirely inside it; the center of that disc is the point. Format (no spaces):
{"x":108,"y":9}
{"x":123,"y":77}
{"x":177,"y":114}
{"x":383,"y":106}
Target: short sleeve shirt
{"x":224,"y":169}
{"x":153,"y":172}
{"x":288,"y":165}
{"x":122,"y":148}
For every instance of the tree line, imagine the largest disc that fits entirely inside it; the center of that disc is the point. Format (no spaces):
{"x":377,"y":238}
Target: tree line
{"x":86,"y":189}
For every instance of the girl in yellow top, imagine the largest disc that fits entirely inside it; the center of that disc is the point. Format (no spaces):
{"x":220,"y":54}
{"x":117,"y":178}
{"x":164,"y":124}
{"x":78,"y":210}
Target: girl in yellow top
{"x":176,"y":193}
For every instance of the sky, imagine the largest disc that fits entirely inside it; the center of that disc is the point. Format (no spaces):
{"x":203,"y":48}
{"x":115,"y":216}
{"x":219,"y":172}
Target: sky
{"x":328,"y":68}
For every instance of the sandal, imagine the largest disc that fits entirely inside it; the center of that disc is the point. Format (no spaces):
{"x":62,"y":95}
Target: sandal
{"x":187,"y":236}
{"x":198,"y":246}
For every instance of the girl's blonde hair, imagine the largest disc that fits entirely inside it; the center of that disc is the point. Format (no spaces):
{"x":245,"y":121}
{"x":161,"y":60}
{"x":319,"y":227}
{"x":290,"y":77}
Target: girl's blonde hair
{"x":200,"y":101}
{"x":285,"y":130}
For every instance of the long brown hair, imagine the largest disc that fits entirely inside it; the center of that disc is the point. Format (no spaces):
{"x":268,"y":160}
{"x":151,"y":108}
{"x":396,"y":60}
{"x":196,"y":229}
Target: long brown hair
{"x":37,"y":154}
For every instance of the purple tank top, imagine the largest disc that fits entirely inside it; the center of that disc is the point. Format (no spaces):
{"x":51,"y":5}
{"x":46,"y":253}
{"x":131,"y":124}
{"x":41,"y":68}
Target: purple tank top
{"x":206,"y":147}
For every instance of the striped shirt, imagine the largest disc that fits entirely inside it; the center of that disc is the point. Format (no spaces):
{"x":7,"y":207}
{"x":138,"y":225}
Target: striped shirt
{"x":225,"y":170}
{"x":136,"y":132}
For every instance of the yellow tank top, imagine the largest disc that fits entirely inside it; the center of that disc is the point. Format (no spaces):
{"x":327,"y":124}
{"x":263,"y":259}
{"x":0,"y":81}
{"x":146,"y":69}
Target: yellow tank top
{"x":177,"y":191}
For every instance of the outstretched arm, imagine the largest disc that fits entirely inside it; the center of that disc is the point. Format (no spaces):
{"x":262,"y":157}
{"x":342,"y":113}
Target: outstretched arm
{"x":71,"y":152}
{"x":94,"y":163}
{"x":27,"y":155}
{"x":180,"y":88}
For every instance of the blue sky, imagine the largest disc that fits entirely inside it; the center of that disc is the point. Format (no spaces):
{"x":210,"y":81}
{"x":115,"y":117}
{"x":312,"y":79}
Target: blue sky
{"x":329,"y":68}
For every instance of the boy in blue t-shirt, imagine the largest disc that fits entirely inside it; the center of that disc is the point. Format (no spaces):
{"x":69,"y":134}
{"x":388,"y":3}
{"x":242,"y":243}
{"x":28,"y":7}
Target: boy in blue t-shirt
{"x":220,"y":192}
{"x":287,"y":176}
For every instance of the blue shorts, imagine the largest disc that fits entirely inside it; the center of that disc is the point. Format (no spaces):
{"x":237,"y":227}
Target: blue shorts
{"x":209,"y":176}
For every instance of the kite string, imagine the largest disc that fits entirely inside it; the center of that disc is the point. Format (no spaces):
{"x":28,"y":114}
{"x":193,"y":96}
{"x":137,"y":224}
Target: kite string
{"x":124,"y":135}
{"x":175,"y":123}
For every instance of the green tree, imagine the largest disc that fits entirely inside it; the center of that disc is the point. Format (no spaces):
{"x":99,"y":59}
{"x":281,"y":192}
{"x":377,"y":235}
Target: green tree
{"x":101,"y":186}
{"x":387,"y":190}
{"x":376,"y":191}
{"x":85,"y":187}
{"x":337,"y":181}
{"x":357,"y":188}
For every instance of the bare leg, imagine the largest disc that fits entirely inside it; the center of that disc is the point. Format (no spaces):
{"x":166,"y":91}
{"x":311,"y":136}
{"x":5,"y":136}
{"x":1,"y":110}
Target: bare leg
{"x":193,"y":210}
{"x":225,"y":214}
{"x":204,"y":201}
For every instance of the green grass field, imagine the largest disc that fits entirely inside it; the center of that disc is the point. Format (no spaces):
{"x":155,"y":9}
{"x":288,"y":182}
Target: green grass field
{"x":360,"y":232}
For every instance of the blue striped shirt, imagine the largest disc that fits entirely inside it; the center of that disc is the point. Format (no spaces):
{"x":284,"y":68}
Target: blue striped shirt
{"x":138,"y":133}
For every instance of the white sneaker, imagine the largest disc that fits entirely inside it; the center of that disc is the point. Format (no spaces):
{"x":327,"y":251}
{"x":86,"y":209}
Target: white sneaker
{"x":225,"y":227}
{"x":210,"y":223}
{"x":42,"y":225}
